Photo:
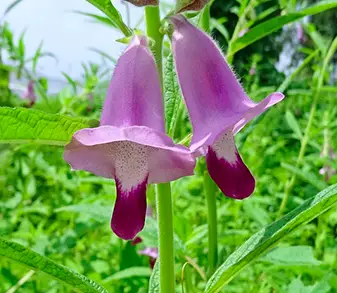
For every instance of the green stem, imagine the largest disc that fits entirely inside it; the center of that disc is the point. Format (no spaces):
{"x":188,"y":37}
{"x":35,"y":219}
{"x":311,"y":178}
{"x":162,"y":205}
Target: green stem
{"x":166,"y":248}
{"x":164,"y":198}
{"x":210,"y":192}
{"x":306,"y":137}
{"x":153,"y":24}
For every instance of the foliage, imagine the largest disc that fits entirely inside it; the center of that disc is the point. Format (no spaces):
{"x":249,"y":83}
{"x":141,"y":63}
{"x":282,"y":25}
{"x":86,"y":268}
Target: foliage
{"x":56,"y":221}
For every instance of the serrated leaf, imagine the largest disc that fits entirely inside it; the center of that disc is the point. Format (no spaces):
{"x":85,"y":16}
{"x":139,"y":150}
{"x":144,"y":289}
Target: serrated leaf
{"x":19,"y":125}
{"x":293,"y":255}
{"x":19,"y":253}
{"x":109,"y":10}
{"x":276,"y":23}
{"x":269,"y":236}
{"x":173,"y":98}
{"x":154,"y":279}
{"x":129,"y":273}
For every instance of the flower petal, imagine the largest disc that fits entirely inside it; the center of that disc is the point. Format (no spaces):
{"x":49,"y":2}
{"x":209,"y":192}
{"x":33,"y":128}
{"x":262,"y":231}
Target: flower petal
{"x":149,"y":251}
{"x":128,"y":217}
{"x":217,"y":101}
{"x":97,"y":149}
{"x":227,"y":169}
{"x":134,"y":96}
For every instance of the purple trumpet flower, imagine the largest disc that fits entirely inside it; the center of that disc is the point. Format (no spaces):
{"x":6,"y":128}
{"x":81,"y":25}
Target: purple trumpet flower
{"x":218,"y":106}
{"x":130,"y":145}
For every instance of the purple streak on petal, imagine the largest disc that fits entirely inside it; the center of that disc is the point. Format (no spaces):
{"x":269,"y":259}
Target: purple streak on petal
{"x":128,"y":217}
{"x":149,"y":251}
{"x":227,"y":169}
{"x":134,"y":96}
{"x":215,"y":99}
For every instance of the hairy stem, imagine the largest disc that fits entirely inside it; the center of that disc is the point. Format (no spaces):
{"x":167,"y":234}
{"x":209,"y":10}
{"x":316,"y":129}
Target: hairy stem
{"x":164,"y":197}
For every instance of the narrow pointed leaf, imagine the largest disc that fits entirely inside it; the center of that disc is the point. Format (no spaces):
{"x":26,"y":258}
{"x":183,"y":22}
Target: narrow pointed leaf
{"x":109,"y":10}
{"x":37,"y":262}
{"x":19,"y":125}
{"x":266,"y":238}
{"x":276,"y":23}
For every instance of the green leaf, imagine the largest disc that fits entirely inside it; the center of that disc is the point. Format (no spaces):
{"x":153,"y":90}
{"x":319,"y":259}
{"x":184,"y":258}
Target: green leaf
{"x":107,"y":8}
{"x":98,"y":212}
{"x":173,"y":98}
{"x":98,"y":18}
{"x":266,"y":238}
{"x":19,"y":253}
{"x":19,"y":125}
{"x":297,"y":286}
{"x":154,"y":279}
{"x":293,"y":124}
{"x":276,"y":23}
{"x":129,"y":273}
{"x":306,"y":176}
{"x":293,"y":255}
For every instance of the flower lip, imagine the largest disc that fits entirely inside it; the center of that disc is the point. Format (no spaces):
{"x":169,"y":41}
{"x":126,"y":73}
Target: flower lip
{"x":166,"y":161}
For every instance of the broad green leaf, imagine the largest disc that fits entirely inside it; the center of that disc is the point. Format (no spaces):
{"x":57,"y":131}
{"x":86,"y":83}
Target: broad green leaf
{"x":19,"y":125}
{"x":129,"y":273}
{"x":293,"y":255}
{"x":293,"y":124}
{"x":25,"y":256}
{"x":173,"y":100}
{"x":276,"y":23}
{"x":109,"y":10}
{"x":154,"y":279}
{"x":269,"y":236}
